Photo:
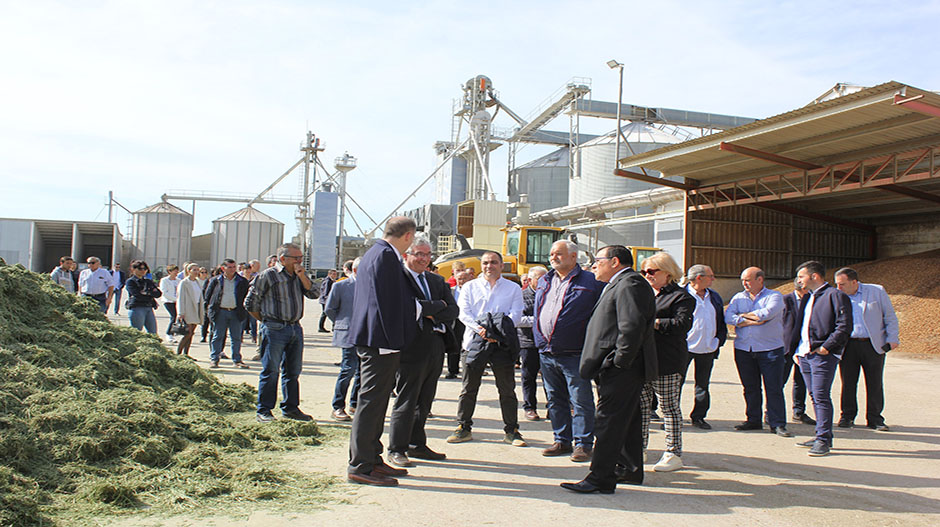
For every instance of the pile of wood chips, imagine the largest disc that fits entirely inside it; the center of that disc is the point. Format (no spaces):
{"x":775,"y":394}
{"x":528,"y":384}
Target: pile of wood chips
{"x":913,"y":285}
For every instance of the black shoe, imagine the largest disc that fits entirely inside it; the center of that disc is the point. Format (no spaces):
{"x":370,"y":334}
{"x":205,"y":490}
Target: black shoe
{"x":656,"y":418}
{"x":297,"y":415}
{"x":807,"y":444}
{"x":265,"y":417}
{"x":781,"y":431}
{"x":423,"y":452}
{"x":747,"y":425}
{"x":805,"y":419}
{"x":586,"y":487}
{"x":700,"y":423}
{"x":629,"y":478}
{"x":846,"y":423}
{"x":880,"y":428}
{"x":321,"y":330}
{"x":450,"y":376}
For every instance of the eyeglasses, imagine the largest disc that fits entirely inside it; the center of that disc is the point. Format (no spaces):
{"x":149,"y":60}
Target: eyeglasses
{"x":421,"y":255}
{"x":599,"y":258}
{"x":649,"y":272}
{"x":294,"y":257}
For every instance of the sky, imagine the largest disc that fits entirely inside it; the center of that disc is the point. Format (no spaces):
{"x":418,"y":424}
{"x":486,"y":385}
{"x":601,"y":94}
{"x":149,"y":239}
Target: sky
{"x":141,"y":98}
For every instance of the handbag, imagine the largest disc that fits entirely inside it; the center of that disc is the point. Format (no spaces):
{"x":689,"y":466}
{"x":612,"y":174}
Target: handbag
{"x":178,"y":327}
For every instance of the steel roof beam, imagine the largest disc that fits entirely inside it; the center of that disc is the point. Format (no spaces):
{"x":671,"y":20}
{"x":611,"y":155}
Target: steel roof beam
{"x":655,"y":180}
{"x":914,"y":104}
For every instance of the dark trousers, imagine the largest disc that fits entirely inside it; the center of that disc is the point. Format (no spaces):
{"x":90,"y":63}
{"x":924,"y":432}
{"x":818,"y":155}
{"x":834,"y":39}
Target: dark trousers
{"x":861,"y":355}
{"x":505,"y":375}
{"x":416,"y":386}
{"x":799,"y":385}
{"x":704,"y":362}
{"x":171,"y":309}
{"x":323,"y":318}
{"x":530,"y":374}
{"x":617,"y":428}
{"x":453,"y":362}
{"x":819,"y":372}
{"x":117,"y":299}
{"x":754,"y":366}
{"x":377,"y":378}
{"x":206,"y":325}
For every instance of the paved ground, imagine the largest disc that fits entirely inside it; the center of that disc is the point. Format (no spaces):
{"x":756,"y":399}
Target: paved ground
{"x":738,"y":478}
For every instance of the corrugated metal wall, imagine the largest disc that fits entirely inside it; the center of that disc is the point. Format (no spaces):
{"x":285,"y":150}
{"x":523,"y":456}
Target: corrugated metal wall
{"x":731,"y":239}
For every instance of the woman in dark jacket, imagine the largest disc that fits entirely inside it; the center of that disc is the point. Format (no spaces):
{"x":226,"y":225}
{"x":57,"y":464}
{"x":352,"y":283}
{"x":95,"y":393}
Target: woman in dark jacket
{"x":674,"y":308}
{"x":141,"y":297}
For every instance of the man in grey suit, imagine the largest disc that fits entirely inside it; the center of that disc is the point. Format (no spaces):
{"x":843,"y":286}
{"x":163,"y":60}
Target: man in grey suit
{"x":620,"y":355}
{"x":339,"y":307}
{"x":874,"y":334}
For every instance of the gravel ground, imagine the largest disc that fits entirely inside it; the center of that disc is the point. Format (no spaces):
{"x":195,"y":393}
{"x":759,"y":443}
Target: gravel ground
{"x":737,"y":478}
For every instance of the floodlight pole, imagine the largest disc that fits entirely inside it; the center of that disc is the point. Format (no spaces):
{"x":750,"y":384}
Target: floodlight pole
{"x":614,"y":64}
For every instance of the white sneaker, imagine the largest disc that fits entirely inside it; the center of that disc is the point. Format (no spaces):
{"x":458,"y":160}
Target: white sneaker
{"x":668,"y":463}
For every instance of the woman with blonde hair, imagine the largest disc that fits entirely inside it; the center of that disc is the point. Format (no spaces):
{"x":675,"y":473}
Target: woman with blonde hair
{"x":674,"y":308}
{"x":190,"y":305}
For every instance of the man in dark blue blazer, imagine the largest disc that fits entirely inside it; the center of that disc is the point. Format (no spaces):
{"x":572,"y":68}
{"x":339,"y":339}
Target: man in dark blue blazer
{"x":383,"y":323}
{"x":824,"y":326}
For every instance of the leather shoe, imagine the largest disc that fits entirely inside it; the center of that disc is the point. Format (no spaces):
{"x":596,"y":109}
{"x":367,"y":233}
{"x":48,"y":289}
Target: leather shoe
{"x":586,"y":487}
{"x":805,"y":419}
{"x":747,"y":425}
{"x":880,"y":428}
{"x":265,"y":417}
{"x":781,"y":431}
{"x":297,"y":415}
{"x":700,"y":423}
{"x":557,"y":449}
{"x":383,"y":469}
{"x":398,"y":459}
{"x":423,"y":452}
{"x":845,"y":423}
{"x":628,"y":477}
{"x":340,"y":414}
{"x":581,"y":454}
{"x":372,"y":479}
{"x":532,"y":415}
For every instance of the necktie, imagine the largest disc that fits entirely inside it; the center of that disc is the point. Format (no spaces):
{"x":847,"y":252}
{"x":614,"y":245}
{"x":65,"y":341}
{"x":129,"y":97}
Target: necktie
{"x":424,"y":286}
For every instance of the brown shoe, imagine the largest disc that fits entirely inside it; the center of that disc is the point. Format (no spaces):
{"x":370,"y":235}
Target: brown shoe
{"x":372,"y":479}
{"x":383,"y":469}
{"x":340,"y":415}
{"x":532,"y":415}
{"x":557,"y":449}
{"x":242,"y":365}
{"x":581,"y":454}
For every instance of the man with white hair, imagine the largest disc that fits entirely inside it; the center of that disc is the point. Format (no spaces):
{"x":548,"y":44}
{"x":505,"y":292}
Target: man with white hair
{"x":97,"y":283}
{"x":707,"y":335}
{"x":564,"y":301}
{"x":528,"y":351}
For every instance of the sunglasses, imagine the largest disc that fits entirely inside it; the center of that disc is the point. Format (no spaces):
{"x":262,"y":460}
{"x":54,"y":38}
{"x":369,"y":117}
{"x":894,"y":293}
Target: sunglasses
{"x":649,"y":272}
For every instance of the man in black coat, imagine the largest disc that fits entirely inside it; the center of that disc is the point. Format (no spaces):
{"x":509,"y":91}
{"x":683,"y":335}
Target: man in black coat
{"x":225,"y":301}
{"x":791,"y":312}
{"x":620,"y":355}
{"x":421,"y":361}
{"x":824,"y":326}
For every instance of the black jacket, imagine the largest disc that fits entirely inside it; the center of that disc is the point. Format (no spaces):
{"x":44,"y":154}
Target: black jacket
{"x":213,"y":296}
{"x":443,"y":310}
{"x":141,"y":292}
{"x":831,"y":322}
{"x":526,"y":339}
{"x":791,"y":312}
{"x":674,"y":308}
{"x":499,"y":327}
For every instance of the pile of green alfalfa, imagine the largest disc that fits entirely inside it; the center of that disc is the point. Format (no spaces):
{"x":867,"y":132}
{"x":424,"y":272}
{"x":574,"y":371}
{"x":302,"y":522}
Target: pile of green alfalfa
{"x":97,"y":419}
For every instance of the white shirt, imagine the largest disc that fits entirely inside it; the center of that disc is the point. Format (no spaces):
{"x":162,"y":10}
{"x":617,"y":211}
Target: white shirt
{"x":94,"y":282}
{"x":804,"y":348}
{"x":168,"y":287}
{"x":477,"y":298}
{"x":702,"y":337}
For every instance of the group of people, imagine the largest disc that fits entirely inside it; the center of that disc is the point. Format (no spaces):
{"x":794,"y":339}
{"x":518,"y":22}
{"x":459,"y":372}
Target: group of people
{"x":611,"y":343}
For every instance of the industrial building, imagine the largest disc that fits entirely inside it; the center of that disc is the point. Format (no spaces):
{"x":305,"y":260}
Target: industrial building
{"x":38,"y":244}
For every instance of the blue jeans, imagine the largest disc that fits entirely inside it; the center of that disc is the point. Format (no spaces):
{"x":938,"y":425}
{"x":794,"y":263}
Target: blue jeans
{"x":117,"y":300}
{"x":284,"y":353}
{"x":565,"y":388}
{"x":767,"y":365}
{"x":226,"y":321}
{"x":819,"y":372}
{"x":348,"y":370}
{"x":142,"y":317}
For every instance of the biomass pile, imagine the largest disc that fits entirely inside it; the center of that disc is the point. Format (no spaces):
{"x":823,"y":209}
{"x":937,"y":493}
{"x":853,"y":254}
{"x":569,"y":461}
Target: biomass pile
{"x":99,"y":419}
{"x":911,"y":282}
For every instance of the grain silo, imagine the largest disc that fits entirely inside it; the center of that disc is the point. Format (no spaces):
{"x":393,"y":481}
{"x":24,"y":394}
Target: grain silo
{"x":243,"y":235}
{"x":545,"y":180}
{"x":162,"y":235}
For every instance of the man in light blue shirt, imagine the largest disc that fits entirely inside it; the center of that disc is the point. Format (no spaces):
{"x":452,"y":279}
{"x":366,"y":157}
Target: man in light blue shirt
{"x":874,"y":334}
{"x":757,"y":315}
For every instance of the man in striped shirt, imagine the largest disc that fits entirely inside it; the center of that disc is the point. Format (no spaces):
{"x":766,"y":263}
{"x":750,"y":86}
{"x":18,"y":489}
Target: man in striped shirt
{"x":276,"y":298}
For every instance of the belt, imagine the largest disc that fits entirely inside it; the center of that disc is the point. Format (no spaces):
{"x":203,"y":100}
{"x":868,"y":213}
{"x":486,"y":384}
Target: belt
{"x":278,"y":321}
{"x":863,"y":339}
{"x":95,"y":295}
{"x":228,"y":308}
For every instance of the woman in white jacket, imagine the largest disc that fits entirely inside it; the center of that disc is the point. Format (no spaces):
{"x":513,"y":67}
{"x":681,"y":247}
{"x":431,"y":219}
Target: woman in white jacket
{"x":190,"y":305}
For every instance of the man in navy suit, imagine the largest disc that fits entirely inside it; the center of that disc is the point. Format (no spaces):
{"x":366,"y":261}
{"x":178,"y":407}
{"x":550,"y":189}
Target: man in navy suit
{"x":383,"y":322}
{"x":338,"y":308}
{"x":824,"y":326}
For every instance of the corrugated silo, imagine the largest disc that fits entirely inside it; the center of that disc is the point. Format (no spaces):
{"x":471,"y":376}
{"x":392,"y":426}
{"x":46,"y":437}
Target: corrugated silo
{"x":597,"y":163}
{"x":243,"y":235}
{"x":162,"y":235}
{"x":545,"y":180}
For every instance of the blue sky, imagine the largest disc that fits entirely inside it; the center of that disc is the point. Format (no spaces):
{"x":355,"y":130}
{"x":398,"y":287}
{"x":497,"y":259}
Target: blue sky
{"x":144,"y":97}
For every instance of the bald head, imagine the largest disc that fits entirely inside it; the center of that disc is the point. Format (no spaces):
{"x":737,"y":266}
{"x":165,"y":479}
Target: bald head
{"x":752,"y":279}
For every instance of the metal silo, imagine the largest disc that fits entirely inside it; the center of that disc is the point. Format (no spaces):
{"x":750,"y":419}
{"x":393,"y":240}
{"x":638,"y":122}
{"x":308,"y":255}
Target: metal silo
{"x":243,"y":235}
{"x":597,"y":163}
{"x":162,"y":235}
{"x":545,"y":180}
